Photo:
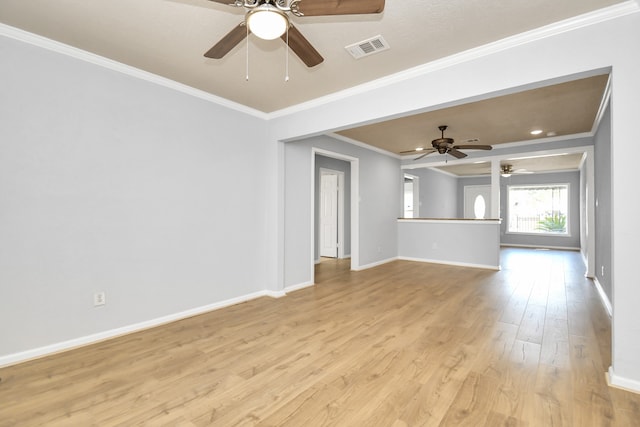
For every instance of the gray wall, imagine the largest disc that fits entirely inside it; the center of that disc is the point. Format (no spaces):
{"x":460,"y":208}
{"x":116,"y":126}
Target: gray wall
{"x":437,"y":193}
{"x":110,"y":183}
{"x":342,"y":166}
{"x":379,"y":205}
{"x":603,"y":219}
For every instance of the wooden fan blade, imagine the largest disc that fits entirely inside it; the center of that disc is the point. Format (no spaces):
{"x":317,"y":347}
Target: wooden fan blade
{"x":457,"y":154}
{"x":425,"y":154}
{"x":301,"y":47}
{"x":340,"y":7}
{"x":228,"y":42}
{"x":473,"y":147}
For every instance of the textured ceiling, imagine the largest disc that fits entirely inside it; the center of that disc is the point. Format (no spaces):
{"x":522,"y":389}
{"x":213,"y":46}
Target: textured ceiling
{"x":169,"y":38}
{"x":558,"y":110}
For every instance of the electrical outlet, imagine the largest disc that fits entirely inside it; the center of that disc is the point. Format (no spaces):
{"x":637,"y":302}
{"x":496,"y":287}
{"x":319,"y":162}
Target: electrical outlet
{"x":99,"y":298}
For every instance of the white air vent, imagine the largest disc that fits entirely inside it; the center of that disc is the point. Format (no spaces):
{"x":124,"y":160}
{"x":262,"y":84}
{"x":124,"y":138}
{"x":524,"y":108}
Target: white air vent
{"x":367,"y":47}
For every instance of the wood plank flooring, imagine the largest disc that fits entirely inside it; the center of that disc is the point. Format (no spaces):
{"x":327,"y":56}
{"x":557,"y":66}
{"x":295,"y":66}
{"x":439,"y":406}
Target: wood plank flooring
{"x":403,"y":344}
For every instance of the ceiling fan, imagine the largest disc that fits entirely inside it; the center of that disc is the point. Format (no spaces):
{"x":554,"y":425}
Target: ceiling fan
{"x":444,"y":145}
{"x":269,"y":19}
{"x":507,"y":170}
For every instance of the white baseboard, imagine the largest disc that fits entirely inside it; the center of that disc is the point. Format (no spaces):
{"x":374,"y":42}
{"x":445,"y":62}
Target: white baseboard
{"x":457,"y":264}
{"x":623,"y":383}
{"x":603,"y":297}
{"x":298,"y":287}
{"x":12,"y":359}
{"x":373,"y":264}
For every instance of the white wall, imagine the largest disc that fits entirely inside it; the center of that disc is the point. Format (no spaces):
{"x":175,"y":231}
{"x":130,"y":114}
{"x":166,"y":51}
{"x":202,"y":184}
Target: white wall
{"x":109,"y":183}
{"x":523,"y":62}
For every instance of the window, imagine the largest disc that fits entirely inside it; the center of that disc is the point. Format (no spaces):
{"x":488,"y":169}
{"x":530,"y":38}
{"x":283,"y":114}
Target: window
{"x":538,"y":209}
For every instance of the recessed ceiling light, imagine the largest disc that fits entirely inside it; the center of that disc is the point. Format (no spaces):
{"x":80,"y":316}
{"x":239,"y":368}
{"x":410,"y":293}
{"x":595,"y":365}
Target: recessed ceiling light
{"x":536,"y":132}
{"x":551,"y":133}
{"x":419,"y":149}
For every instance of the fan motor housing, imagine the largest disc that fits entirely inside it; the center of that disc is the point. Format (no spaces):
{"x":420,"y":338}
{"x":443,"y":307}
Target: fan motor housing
{"x":442,"y":144}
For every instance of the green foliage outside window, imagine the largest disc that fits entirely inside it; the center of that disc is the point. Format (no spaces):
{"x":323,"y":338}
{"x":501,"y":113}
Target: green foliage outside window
{"x":553,"y":223}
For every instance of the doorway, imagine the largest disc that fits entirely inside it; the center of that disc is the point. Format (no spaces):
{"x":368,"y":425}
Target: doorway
{"x":331,"y":213}
{"x":345,"y":168}
{"x":477,"y":201}
{"x":411,"y":208}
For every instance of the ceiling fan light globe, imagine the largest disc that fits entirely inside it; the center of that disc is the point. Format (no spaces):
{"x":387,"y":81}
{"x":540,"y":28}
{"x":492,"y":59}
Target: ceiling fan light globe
{"x":267,"y":22}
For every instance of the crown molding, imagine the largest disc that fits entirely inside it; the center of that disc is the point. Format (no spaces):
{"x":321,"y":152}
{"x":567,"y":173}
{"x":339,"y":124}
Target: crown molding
{"x":580,"y":21}
{"x":64,"y":49}
{"x":363,"y":145}
{"x":612,"y":12}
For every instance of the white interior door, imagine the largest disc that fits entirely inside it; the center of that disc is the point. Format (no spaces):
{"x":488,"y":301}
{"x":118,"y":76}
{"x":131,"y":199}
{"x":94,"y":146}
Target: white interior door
{"x":329,"y":215}
{"x":477,"y":201}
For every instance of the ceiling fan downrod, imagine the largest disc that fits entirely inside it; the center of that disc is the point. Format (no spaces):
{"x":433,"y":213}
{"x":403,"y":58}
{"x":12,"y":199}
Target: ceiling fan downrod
{"x":292,"y":6}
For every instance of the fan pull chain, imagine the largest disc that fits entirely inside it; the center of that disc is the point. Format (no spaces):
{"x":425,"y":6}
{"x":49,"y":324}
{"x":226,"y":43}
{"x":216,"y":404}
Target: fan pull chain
{"x":247,"y":62}
{"x":286,"y":75}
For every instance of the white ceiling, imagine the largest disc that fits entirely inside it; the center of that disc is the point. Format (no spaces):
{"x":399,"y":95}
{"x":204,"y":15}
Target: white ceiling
{"x":169,"y":38}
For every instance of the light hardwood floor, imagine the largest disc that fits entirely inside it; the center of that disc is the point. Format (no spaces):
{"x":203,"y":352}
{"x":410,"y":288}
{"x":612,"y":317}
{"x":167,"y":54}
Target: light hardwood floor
{"x":403,"y":344}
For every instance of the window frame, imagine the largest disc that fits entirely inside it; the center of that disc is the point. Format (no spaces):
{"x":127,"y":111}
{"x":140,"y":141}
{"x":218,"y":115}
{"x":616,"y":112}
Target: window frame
{"x":542,"y":233}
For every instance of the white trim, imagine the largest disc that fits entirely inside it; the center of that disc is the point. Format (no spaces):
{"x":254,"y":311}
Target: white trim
{"x":373,"y":264}
{"x":354,"y":163}
{"x":101,"y":61}
{"x":415,"y":192}
{"x":574,"y":23}
{"x":275,"y":294}
{"x":454,"y":263}
{"x":604,"y":103}
{"x":542,"y":234}
{"x":603,"y":297}
{"x":363,"y":145}
{"x":623,"y":383}
{"x":297,"y":287}
{"x":453,"y":221}
{"x":12,"y":359}
{"x":559,"y":248}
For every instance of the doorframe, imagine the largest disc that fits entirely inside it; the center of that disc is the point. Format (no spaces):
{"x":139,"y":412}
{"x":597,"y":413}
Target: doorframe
{"x":354,"y":203}
{"x":416,"y":193}
{"x":341,"y":201}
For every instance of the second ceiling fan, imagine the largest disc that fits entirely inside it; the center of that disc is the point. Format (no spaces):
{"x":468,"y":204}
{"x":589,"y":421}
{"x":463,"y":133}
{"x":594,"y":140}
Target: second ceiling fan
{"x":276,"y":12}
